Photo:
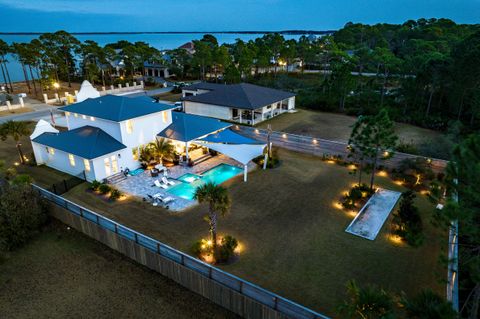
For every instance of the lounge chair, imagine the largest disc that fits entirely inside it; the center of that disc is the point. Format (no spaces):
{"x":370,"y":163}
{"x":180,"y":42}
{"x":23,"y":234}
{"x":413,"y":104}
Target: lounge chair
{"x":167,"y":199}
{"x":158,"y":184}
{"x":166,"y":181}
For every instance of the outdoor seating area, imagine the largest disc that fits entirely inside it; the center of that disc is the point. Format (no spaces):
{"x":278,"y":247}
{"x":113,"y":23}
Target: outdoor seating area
{"x":153,"y":185}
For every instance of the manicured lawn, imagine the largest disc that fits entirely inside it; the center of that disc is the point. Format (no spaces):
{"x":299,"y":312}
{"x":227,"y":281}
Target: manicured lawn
{"x":337,"y":127}
{"x":170,"y":97}
{"x":294,"y":237}
{"x":64,"y":274}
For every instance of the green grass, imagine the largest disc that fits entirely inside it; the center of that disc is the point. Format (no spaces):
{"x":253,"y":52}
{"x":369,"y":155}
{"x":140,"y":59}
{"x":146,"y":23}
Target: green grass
{"x":337,"y":127}
{"x":172,"y":97}
{"x":294,"y":237}
{"x":64,"y":274}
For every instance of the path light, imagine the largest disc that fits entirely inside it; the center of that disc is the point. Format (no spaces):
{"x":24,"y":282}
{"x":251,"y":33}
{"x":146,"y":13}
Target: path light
{"x":398,"y":182}
{"x":315,"y":141}
{"x":16,"y":163}
{"x":257,"y":131}
{"x":382,"y":173}
{"x":284,"y":135}
{"x":386,"y":153}
{"x":395,"y":239}
{"x":337,"y":205}
{"x":429,"y":160}
{"x":352,"y":166}
{"x":56,"y":85}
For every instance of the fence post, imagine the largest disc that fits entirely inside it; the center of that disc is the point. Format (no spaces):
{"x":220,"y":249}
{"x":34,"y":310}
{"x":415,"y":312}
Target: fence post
{"x":54,"y":189}
{"x":65,"y":184}
{"x":116,"y":229}
{"x":81,"y":211}
{"x":158,"y":248}
{"x":275,"y":300}
{"x":98,"y":220}
{"x":136,"y":238}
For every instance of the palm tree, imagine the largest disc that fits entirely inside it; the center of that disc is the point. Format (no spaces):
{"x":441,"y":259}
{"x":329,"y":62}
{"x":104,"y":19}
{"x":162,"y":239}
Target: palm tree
{"x":15,"y":130}
{"x":218,"y":201}
{"x":367,"y":303}
{"x":162,"y":148}
{"x":429,"y":305}
{"x":4,"y":50}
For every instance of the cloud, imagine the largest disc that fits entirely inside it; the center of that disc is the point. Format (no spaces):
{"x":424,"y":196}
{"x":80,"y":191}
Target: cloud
{"x":77,"y":7}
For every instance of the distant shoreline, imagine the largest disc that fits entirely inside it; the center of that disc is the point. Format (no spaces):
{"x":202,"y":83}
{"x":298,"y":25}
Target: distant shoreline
{"x":290,"y":32}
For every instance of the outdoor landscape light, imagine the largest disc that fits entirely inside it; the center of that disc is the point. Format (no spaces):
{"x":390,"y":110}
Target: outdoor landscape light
{"x":56,"y":85}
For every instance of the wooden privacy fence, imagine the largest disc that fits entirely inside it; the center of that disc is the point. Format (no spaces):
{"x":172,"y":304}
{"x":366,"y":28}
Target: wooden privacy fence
{"x":233,"y":293}
{"x":319,"y":147}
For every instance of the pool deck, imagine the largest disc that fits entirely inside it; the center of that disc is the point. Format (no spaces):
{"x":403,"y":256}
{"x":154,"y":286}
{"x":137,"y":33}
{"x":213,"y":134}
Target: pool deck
{"x":142,"y":184}
{"x":374,"y":213}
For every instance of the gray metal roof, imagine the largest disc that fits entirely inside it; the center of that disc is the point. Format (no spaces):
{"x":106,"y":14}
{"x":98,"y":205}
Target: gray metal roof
{"x":87,"y":141}
{"x":242,"y":96}
{"x":188,"y":127}
{"x":117,"y":108}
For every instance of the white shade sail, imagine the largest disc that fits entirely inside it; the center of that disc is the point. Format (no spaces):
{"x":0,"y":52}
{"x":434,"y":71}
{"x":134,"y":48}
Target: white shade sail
{"x":87,"y":91}
{"x":242,"y":153}
{"x":42,"y":127}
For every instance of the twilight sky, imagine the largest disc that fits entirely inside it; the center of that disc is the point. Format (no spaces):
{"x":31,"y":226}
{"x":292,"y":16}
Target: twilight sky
{"x":218,"y":15}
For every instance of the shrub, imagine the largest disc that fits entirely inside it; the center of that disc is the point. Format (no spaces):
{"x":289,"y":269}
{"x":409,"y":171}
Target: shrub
{"x":115,"y":193}
{"x":407,"y":222}
{"x":357,"y":193}
{"x":22,"y":213}
{"x":103,"y":189}
{"x":95,"y":185}
{"x":22,"y":179}
{"x":227,"y":248}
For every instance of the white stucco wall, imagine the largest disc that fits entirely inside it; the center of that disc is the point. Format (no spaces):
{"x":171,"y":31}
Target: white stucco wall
{"x":291,"y":103}
{"x":145,"y":128}
{"x":216,"y":111}
{"x":110,"y":127}
{"x":60,"y":161}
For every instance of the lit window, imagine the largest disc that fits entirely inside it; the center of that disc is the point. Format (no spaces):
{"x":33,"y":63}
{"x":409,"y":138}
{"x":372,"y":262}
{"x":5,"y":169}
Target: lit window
{"x":50,"y":151}
{"x":67,"y":113}
{"x":92,"y":118}
{"x":75,"y":114}
{"x":129,"y":126}
{"x":84,"y":117}
{"x":86,"y":163}
{"x":164,"y":117}
{"x":71,"y":159}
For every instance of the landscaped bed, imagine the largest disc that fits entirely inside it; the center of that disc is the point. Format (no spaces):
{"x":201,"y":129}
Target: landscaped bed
{"x":292,"y":234}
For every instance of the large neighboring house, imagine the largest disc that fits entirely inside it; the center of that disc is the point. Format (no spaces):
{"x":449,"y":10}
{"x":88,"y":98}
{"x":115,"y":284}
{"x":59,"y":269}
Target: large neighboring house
{"x":242,"y":103}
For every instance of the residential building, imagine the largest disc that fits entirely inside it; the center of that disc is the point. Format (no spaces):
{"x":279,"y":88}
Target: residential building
{"x":242,"y":103}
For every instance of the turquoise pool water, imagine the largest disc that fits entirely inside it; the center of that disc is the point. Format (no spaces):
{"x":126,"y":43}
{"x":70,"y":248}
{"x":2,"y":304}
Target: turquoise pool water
{"x":189,"y":178}
{"x":217,"y":175}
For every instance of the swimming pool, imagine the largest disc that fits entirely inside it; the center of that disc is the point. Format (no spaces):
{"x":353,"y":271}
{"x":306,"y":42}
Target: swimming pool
{"x":217,"y":175}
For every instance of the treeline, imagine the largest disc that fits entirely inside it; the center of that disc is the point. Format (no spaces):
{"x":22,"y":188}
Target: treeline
{"x":59,"y":56}
{"x":425,"y":72}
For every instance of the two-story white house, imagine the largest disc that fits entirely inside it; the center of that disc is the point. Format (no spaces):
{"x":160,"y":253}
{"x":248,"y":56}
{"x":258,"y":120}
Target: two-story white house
{"x":103,"y":135}
{"x":243,"y":103}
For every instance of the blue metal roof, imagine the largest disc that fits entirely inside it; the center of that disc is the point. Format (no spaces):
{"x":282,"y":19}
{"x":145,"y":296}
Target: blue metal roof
{"x":87,"y":141}
{"x":188,"y":127}
{"x":229,"y":137}
{"x":117,"y":108}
